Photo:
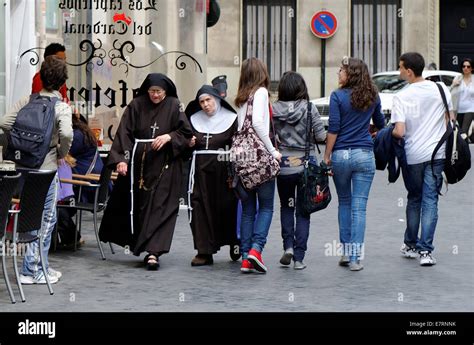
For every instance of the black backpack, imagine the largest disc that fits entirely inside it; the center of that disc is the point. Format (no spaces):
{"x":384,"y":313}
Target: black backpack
{"x":29,"y":139}
{"x":458,"y":156}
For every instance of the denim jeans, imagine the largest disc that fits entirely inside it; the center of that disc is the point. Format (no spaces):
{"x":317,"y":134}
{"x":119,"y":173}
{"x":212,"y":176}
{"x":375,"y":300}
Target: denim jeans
{"x":422,"y":203}
{"x":354,"y":170}
{"x":290,"y":209}
{"x":254,"y":231}
{"x":31,"y":262}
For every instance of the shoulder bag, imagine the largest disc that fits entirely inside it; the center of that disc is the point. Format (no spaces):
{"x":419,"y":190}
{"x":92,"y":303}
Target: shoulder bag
{"x":253,"y":163}
{"x":314,"y":178}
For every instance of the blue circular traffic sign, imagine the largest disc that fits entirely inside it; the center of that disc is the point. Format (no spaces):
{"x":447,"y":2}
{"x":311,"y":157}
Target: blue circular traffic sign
{"x":323,"y":24}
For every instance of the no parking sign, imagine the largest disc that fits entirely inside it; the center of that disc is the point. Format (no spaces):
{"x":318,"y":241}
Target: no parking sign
{"x":323,"y":24}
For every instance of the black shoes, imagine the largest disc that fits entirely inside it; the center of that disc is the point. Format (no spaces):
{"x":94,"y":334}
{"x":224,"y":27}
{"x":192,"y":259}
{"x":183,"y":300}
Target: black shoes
{"x":286,"y":257}
{"x":202,"y":260}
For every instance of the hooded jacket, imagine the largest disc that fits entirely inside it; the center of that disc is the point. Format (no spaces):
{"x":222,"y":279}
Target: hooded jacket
{"x":290,"y":120}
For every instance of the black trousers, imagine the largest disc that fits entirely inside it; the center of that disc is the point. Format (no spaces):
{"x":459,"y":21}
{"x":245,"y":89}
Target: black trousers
{"x":464,"y":121}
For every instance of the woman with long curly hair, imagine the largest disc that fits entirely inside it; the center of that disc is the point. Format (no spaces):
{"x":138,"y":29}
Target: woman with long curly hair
{"x":349,"y":149}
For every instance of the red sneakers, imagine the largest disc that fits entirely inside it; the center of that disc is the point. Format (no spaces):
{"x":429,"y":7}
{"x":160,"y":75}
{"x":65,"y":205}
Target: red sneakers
{"x":246,"y":267}
{"x":255,"y":258}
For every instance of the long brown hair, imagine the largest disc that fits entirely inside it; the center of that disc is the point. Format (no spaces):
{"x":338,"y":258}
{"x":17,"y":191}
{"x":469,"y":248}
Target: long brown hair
{"x":253,"y":75}
{"x":364,"y":91}
{"x":89,"y":137}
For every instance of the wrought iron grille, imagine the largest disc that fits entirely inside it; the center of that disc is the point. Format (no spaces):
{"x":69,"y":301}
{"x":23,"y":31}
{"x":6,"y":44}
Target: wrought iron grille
{"x":270,"y":34}
{"x":376,"y":33}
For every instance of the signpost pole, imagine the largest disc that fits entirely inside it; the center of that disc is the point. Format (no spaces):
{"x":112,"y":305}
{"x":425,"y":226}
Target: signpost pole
{"x":323,"y":66}
{"x":323,"y":25}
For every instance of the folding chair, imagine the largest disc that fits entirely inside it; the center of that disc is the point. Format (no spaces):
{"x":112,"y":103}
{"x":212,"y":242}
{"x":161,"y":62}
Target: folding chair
{"x":8,"y":186}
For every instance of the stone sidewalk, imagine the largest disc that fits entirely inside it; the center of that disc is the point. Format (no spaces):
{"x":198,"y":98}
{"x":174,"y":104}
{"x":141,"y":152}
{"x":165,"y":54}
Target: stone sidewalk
{"x":388,"y":283}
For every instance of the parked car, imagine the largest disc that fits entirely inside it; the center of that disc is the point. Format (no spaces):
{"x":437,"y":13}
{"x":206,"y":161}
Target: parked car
{"x":388,"y":83}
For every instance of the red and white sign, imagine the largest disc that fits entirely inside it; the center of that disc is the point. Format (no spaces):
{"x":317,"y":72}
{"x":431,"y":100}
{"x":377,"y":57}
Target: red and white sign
{"x":323,"y":24}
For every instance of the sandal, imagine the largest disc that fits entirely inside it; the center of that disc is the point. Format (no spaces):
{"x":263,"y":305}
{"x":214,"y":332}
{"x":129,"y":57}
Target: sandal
{"x":151,"y":262}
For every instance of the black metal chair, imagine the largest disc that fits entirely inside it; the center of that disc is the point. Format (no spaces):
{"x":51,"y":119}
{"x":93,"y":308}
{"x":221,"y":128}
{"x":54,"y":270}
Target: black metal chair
{"x":101,"y":196}
{"x":3,"y":140}
{"x":8,"y":186}
{"x":28,"y":222}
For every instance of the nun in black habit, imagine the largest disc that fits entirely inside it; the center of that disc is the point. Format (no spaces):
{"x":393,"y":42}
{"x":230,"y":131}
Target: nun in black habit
{"x":213,"y":205}
{"x":153,"y":114}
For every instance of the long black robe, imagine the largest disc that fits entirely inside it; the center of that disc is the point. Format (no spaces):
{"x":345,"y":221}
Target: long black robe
{"x":214,"y":205}
{"x":156,"y":207}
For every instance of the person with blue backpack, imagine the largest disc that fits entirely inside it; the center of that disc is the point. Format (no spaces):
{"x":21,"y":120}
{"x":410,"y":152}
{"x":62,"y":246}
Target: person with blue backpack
{"x":29,"y":116}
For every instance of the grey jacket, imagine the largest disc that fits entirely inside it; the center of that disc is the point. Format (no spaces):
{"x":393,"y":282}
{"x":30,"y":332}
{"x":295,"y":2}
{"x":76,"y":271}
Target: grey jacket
{"x":290,"y":119}
{"x":62,"y":131}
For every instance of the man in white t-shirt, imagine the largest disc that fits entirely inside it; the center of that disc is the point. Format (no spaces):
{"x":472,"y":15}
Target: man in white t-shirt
{"x":419,"y":116}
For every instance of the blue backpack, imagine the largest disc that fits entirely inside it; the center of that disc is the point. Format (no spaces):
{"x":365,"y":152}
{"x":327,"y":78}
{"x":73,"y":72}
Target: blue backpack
{"x":29,"y":139}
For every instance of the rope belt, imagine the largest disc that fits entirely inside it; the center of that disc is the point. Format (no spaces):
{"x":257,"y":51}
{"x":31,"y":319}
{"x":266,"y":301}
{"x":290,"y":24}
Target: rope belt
{"x":137,"y":141}
{"x":192,"y":170}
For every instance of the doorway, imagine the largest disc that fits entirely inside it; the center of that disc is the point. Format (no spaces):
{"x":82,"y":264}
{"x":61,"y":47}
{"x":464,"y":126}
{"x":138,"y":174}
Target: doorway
{"x":456,"y":33}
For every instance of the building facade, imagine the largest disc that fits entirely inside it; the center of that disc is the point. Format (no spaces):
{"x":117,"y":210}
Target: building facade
{"x":375,"y":31}
{"x":112,"y":44}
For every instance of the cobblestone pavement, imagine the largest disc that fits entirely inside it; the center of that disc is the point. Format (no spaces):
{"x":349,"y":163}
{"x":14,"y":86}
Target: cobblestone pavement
{"x":388,"y":282}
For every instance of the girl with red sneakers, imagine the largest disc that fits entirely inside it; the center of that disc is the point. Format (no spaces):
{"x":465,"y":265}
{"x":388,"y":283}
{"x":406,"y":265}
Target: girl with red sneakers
{"x":252,"y":92}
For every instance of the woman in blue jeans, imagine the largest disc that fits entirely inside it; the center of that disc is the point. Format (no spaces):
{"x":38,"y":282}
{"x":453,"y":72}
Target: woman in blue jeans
{"x":291,"y":121}
{"x":349,"y":149}
{"x":254,"y":81}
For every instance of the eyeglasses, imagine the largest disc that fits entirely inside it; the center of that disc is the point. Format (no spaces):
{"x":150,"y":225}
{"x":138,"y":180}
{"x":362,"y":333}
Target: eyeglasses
{"x":158,"y":92}
{"x":466,"y":66}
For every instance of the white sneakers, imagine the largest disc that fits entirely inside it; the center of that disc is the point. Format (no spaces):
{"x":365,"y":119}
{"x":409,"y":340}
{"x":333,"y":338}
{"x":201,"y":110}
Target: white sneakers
{"x":355,"y":266}
{"x":408,"y":252}
{"x":426,"y":259}
{"x":55,"y":273}
{"x":53,"y":276}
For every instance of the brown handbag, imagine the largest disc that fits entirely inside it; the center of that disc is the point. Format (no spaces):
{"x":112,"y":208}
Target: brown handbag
{"x":253,"y":163}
